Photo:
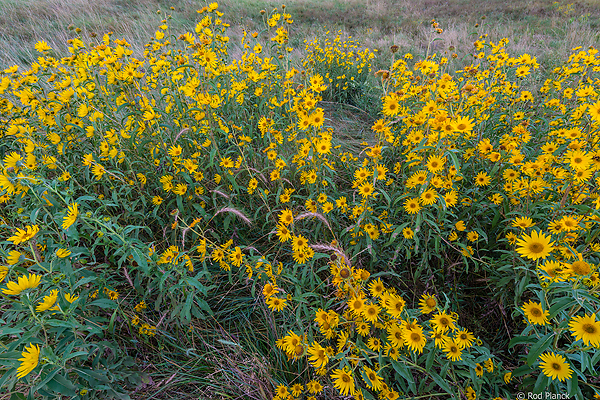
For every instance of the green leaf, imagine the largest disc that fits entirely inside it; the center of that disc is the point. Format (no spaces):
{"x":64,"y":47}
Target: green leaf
{"x":406,"y":374}
{"x":111,"y":324}
{"x":104,"y":303}
{"x":9,"y":356}
{"x":538,"y":348}
{"x":34,"y":215}
{"x":92,"y":376}
{"x":63,"y":324}
{"x":62,"y":385}
{"x":541,"y":383}
{"x":595,"y":359}
{"x":83,"y":281}
{"x":204,"y":305}
{"x":9,"y":331}
{"x":10,"y":373}
{"x":85,"y":198}
{"x":522,"y":370}
{"x":561,"y":304}
{"x":367,"y":395}
{"x":227,"y":342}
{"x":429,"y":361}
{"x":76,"y":354}
{"x":521,"y":340}
{"x":586,"y":361}
{"x":192,"y":281}
{"x":46,"y":378}
{"x":572,"y":386}
{"x":140,"y":259}
{"x":441,"y":382}
{"x":186,"y":311}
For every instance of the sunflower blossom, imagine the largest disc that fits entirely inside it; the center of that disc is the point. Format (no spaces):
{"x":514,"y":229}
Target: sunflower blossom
{"x":29,"y":361}
{"x":23,"y":283}
{"x":23,"y":235}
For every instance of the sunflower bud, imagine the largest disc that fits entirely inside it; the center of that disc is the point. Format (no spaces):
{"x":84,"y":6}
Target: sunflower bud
{"x":383,"y":74}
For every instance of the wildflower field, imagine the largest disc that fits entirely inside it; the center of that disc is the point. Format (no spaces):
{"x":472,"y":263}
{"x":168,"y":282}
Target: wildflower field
{"x":195,"y":221}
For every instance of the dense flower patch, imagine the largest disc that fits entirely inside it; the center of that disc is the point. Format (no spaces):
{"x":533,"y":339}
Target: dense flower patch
{"x":129,"y":186}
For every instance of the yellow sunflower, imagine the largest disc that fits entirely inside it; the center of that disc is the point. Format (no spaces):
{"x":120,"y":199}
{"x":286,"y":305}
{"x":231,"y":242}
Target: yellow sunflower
{"x":482,"y":179}
{"x":579,"y":160}
{"x":479,"y":370}
{"x":578,"y":267}
{"x":275,"y":303}
{"x":357,"y":305}
{"x":374,"y":344}
{"x":453,"y":350}
{"x":376,"y":287}
{"x":373,"y":380}
{"x":535,"y":246}
{"x":299,"y":243}
{"x":283,"y":233}
{"x":286,"y":217}
{"x":442,"y":322}
{"x":23,"y":235}
{"x":435,"y":163}
{"x":48,"y":301}
{"x":415,"y":339}
{"x":555,"y":366}
{"x":71,"y":216}
{"x":523,"y":222}
{"x":343,"y":381}
{"x":408,"y":233}
{"x":363,"y":328}
{"x":395,"y":336}
{"x":471,"y":395}
{"x":390,"y":106}
{"x":23,"y":283}
{"x":282,"y":391}
{"x":317,"y":355}
{"x":429,"y":197}
{"x":412,"y":206}
{"x":451,"y":198}
{"x":464,"y":338}
{"x":534,"y":313}
{"x":371,"y":312}
{"x":366,"y":190}
{"x":394,"y":305}
{"x":29,"y":361}
{"x":586,"y":328}
{"x":439,"y":338}
{"x":314,"y":387}
{"x":428,"y":303}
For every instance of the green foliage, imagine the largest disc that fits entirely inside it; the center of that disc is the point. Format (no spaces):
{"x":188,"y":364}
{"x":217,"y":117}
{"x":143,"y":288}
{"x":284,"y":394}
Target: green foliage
{"x":146,"y":199}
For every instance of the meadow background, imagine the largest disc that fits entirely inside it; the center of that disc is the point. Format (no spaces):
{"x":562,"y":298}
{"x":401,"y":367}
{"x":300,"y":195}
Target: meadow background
{"x":221,"y":238}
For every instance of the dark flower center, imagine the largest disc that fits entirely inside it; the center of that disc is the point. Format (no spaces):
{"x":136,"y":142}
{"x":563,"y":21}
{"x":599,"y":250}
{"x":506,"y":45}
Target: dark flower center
{"x":536,"y":247}
{"x":589,"y":328}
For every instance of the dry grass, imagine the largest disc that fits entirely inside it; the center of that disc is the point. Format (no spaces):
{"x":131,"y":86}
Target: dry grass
{"x":24,"y":22}
{"x":541,"y":28}
{"x":537,"y":27}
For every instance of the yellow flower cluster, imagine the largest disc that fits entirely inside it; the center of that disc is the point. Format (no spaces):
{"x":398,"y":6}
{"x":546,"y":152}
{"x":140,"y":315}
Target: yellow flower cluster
{"x":189,"y":164}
